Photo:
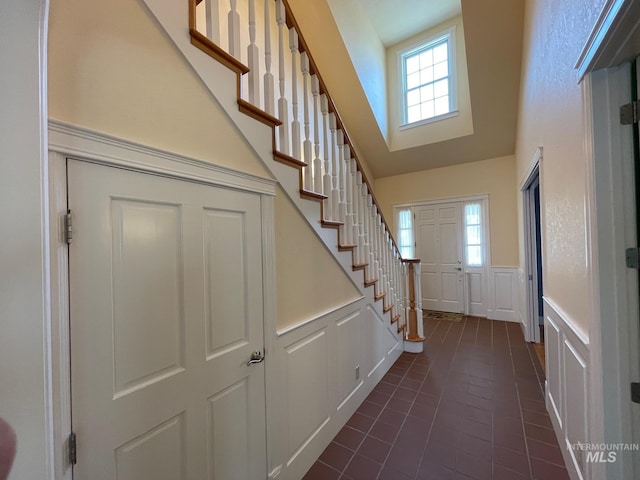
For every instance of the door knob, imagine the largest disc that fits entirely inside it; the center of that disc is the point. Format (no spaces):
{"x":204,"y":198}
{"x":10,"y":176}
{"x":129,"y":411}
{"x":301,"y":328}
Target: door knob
{"x":256,"y":357}
{"x":458,"y":268}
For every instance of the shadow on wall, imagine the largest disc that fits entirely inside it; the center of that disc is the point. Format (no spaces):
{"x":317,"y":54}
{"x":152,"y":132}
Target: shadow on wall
{"x":7,"y":448}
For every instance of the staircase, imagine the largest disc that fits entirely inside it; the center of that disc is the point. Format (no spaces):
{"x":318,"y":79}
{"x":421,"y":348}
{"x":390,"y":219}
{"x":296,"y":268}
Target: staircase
{"x":309,"y":150}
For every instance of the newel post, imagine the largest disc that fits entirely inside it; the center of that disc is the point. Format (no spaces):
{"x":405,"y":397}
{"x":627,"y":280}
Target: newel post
{"x":415,"y":330}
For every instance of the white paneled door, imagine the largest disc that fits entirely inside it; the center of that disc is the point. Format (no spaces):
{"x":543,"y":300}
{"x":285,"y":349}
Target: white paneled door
{"x":439,"y":245}
{"x":166,"y":309}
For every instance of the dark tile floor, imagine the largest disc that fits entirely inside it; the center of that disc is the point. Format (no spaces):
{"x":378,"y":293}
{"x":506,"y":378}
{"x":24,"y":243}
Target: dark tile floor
{"x":470,"y":407}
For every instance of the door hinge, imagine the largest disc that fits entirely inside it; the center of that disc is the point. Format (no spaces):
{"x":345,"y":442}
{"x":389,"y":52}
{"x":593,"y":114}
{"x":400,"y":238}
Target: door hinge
{"x":635,"y":392}
{"x":629,"y":113}
{"x":68,"y":224}
{"x":73,"y":453}
{"x":632,"y":258}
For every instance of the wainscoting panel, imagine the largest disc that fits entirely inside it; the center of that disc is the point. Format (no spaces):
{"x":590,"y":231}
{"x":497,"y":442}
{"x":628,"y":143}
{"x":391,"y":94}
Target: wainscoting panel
{"x":567,"y":359}
{"x":325,"y":373}
{"x":503,"y":292}
{"x":553,"y":363}
{"x":376,"y":341}
{"x":575,"y":406}
{"x":307,"y":374}
{"x":349,"y":355}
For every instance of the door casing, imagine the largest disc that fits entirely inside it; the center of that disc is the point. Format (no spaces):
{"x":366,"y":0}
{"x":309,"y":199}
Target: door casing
{"x":70,"y":141}
{"x":534,"y":173}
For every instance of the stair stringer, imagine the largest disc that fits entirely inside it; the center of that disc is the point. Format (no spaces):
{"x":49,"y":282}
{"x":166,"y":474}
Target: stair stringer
{"x":173,"y":17}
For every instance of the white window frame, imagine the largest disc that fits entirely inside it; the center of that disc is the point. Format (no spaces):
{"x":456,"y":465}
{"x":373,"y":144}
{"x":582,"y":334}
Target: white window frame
{"x":483,"y":236}
{"x":448,"y":35}
{"x":397,"y":212}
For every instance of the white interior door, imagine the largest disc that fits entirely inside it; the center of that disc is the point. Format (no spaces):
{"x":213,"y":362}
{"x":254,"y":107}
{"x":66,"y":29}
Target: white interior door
{"x":166,"y":308}
{"x":439,"y":246}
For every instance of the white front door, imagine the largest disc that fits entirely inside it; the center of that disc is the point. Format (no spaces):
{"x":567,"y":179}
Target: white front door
{"x":166,"y":308}
{"x":439,"y":246}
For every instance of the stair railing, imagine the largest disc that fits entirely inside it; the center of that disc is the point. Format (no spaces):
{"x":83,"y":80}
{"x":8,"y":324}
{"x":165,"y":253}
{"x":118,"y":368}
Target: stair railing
{"x":309,"y":135}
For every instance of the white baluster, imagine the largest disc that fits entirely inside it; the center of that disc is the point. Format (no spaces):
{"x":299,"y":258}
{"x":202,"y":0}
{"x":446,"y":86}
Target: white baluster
{"x":349,"y":182}
{"x":253,"y":56}
{"x":295,"y":124}
{"x":335,"y":194}
{"x":269,"y":89}
{"x":342,"y":176}
{"x":354,"y":197}
{"x":380,"y":245}
{"x":283,"y":106}
{"x":373,"y":270}
{"x":306,"y":150}
{"x":212,"y":15}
{"x":365,"y":231}
{"x":234,"y":30}
{"x":326,"y":184}
{"x":317,"y":161}
{"x":359,"y":225}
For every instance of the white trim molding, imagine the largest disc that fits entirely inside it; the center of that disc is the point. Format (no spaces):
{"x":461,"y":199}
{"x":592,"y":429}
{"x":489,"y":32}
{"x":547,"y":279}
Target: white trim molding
{"x":613,"y":39}
{"x":90,"y":145}
{"x":68,"y":141}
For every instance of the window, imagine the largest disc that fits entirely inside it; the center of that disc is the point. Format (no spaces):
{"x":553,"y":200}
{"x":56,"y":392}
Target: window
{"x":428,"y":79}
{"x":473,"y":234}
{"x":405,"y":232}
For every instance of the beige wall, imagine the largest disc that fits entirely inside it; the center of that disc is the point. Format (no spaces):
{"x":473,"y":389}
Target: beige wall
{"x":494,"y":177}
{"x":310,"y":281}
{"x":551,"y":116}
{"x":112,"y":69}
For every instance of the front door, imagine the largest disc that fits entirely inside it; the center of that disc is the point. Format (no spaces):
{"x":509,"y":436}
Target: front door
{"x":165,"y":310}
{"x":439,"y":246}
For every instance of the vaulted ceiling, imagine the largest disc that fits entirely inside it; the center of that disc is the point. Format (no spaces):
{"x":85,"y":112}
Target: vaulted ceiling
{"x":493,"y":41}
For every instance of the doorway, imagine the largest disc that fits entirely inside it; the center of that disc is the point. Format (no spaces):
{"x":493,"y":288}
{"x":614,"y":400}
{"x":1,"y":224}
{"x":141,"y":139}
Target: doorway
{"x":452,"y":241}
{"x":534,"y":328}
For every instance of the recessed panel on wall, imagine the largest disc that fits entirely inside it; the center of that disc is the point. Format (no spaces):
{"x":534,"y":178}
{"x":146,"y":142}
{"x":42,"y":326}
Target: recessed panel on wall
{"x":147,"y":280}
{"x":504,"y":296}
{"x":575,"y":372}
{"x":158,"y":453}
{"x":307,"y":377}
{"x":554,"y":376}
{"x":376,"y":341}
{"x":228,"y":447}
{"x":226,"y":272}
{"x":349,"y":355}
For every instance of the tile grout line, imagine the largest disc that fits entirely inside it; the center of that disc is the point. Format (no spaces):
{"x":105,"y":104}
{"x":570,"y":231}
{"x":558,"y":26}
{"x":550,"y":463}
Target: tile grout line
{"x":524,"y":432}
